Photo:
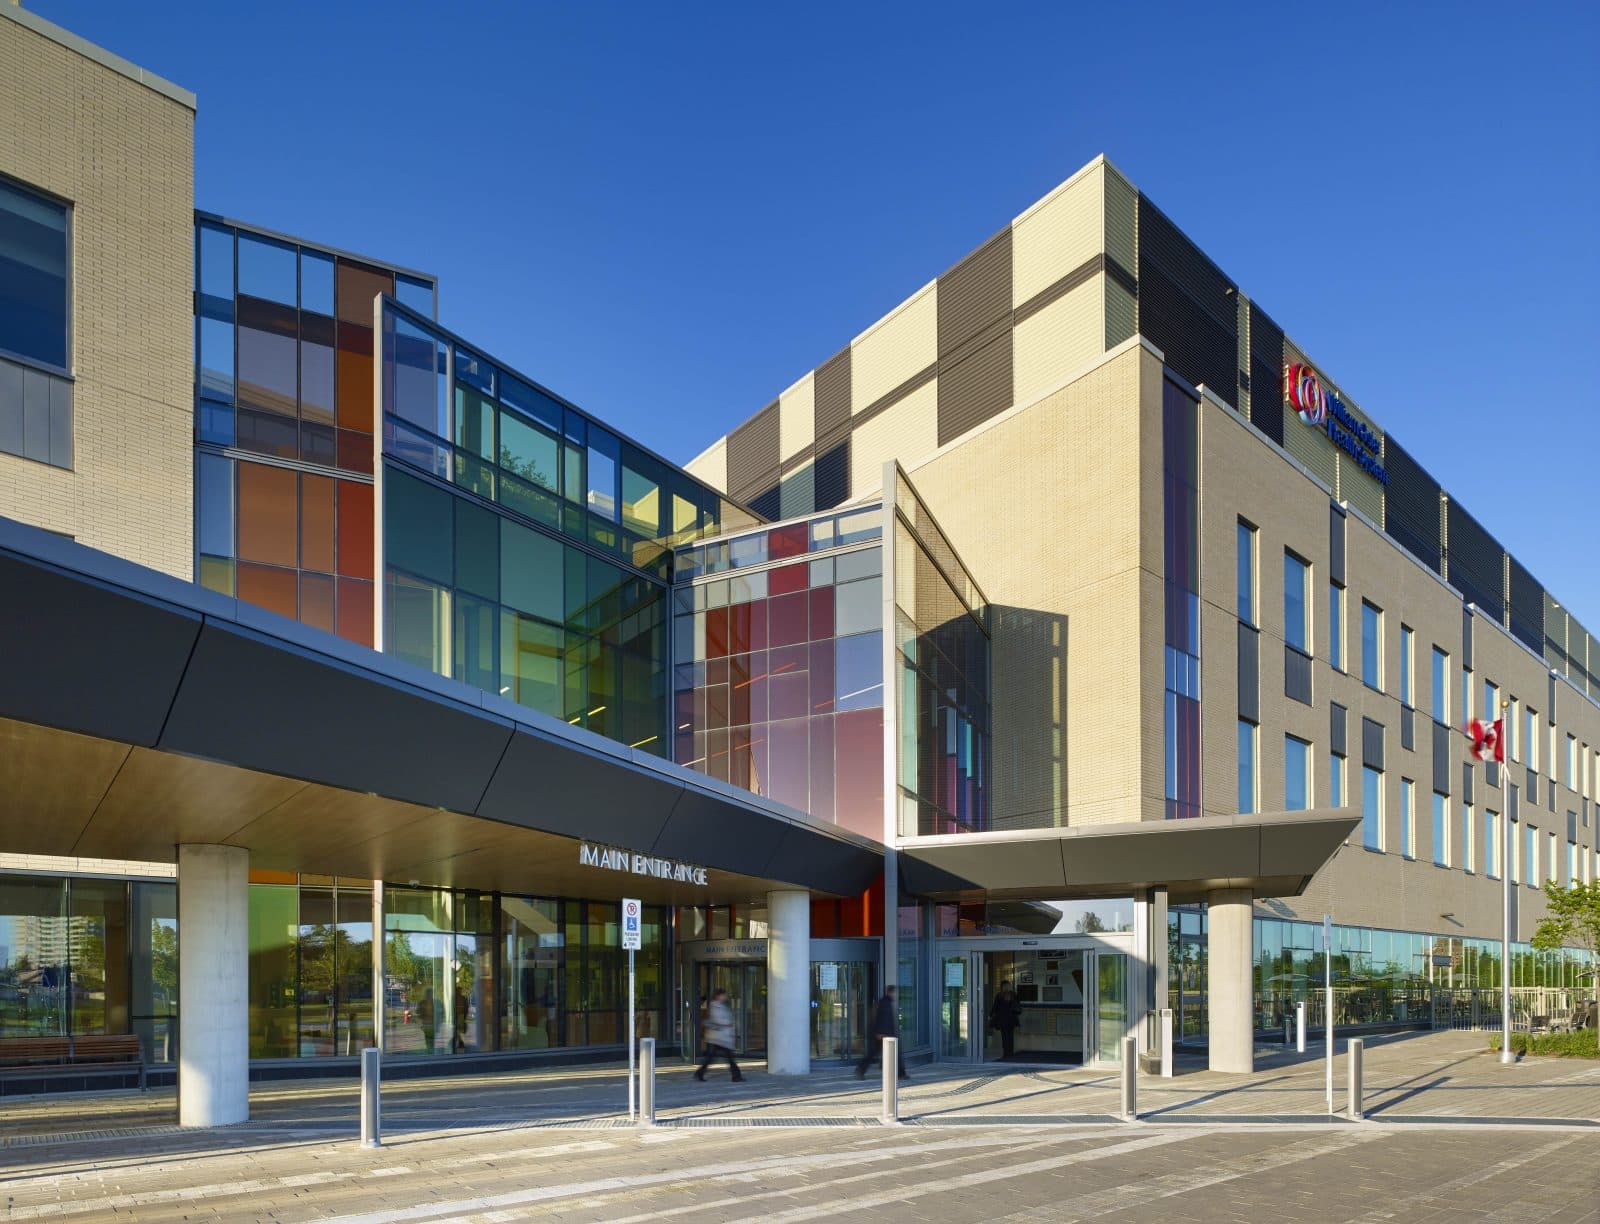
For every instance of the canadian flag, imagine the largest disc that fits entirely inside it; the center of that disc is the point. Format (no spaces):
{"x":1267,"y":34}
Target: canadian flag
{"x":1488,"y":740}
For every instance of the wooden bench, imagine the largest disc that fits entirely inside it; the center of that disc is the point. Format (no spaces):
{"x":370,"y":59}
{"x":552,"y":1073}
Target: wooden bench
{"x":21,"y":1056}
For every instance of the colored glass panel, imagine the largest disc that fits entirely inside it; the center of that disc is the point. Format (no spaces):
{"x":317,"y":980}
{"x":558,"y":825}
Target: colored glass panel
{"x":316,"y":526}
{"x":355,"y":529}
{"x":268,"y":520}
{"x":269,"y":587}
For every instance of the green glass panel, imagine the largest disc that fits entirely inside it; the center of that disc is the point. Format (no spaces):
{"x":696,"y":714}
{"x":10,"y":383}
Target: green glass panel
{"x":528,"y":452}
{"x":531,"y":572}
{"x":530,"y":662}
{"x":274,"y":928}
{"x":477,"y":549}
{"x":474,"y":422}
{"x":417,"y":527}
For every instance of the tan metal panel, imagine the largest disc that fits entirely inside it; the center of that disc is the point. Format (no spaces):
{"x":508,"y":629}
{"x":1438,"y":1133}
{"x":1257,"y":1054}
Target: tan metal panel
{"x":898,"y":347}
{"x":907,"y":431}
{"x":797,"y":418}
{"x":1060,"y":233}
{"x":1361,"y":490}
{"x":1308,"y":443}
{"x":1122,"y":314}
{"x":1122,"y":220}
{"x":1059,"y":339}
{"x":711,"y":465}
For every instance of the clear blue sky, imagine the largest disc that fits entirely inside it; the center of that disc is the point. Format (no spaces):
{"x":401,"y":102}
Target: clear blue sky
{"x":668,"y":212}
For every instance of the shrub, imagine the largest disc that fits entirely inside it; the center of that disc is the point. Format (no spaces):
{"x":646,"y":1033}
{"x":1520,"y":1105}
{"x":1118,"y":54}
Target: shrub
{"x":1582,"y":1044}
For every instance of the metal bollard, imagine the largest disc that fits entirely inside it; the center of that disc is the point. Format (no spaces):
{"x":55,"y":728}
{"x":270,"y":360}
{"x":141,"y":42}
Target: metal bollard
{"x":1300,"y":1027}
{"x":891,"y":1079}
{"x":1166,"y":1042}
{"x":1354,"y":1054}
{"x":1288,"y":1032}
{"x":1130,"y":1079}
{"x":371,"y":1122}
{"x":647,"y":1082}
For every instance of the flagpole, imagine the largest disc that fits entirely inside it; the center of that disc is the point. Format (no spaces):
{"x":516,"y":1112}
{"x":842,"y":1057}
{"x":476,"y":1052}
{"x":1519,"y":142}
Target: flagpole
{"x":1505,"y":898}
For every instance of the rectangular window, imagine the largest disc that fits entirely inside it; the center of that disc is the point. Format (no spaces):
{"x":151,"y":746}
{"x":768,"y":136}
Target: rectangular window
{"x":1371,"y":645}
{"x":1491,"y":702}
{"x":34,"y":278}
{"x":1553,"y":864}
{"x":1407,"y":640}
{"x":1441,"y":830}
{"x":1572,"y":763}
{"x":1335,"y":780}
{"x":1408,"y":834}
{"x":1530,"y":737}
{"x":1572,"y":864}
{"x":1296,"y":611}
{"x":1468,"y":845}
{"x":1441,"y":687}
{"x":1246,"y":572}
{"x":1466,"y":695}
{"x":1371,"y":808}
{"x":1247,"y":767}
{"x":1296,"y":774}
{"x":1530,"y":856}
{"x":1491,"y":844}
{"x":1336,"y":626}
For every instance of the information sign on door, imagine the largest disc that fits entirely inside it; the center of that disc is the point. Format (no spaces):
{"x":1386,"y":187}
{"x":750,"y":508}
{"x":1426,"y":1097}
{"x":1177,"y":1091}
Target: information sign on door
{"x":630,"y":923}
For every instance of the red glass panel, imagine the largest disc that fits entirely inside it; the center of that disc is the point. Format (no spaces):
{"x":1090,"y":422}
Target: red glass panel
{"x":316,"y":600}
{"x":269,"y":587}
{"x":738,"y":699}
{"x":822,"y":767}
{"x":824,"y":920}
{"x":316,"y":529}
{"x":859,"y":750}
{"x":758,"y":695}
{"x":789,"y":762}
{"x":355,"y":610}
{"x":790,"y":541}
{"x":268,"y":517}
{"x":786,"y":578}
{"x":716,"y":633}
{"x":788,"y":619}
{"x":821,"y":677}
{"x":872,"y":909}
{"x":355,"y":529}
{"x":758,"y":624}
{"x":821,"y":613}
{"x":739,"y":628}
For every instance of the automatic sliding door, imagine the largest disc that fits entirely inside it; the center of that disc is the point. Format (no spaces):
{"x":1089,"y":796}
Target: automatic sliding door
{"x":955,"y":1006}
{"x":1110,"y":977}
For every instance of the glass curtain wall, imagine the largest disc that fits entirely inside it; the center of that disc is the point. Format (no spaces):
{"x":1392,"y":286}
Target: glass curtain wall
{"x":778,"y":646}
{"x":1181,"y":536}
{"x":88,"y":955}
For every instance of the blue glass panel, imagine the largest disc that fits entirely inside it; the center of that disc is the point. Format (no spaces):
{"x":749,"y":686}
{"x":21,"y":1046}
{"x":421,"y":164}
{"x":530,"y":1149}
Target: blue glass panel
{"x":267,"y":270}
{"x":858,"y":672}
{"x":417,"y":294}
{"x":316,"y":283}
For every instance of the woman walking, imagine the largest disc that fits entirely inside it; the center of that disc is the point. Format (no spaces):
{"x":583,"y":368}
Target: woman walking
{"x":719,"y":1036}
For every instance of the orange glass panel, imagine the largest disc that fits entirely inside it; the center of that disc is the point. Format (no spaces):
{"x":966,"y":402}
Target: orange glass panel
{"x":268,"y":587}
{"x":273,"y":877}
{"x":354,"y":391}
{"x":316,"y":600}
{"x":268,"y":517}
{"x":355,"y":529}
{"x":355,"y":610}
{"x":316,"y":525}
{"x":355,"y":286}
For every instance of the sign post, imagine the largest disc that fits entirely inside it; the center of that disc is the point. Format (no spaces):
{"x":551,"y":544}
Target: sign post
{"x":1327,"y":978}
{"x":630,"y":941}
{"x":1489,"y":746}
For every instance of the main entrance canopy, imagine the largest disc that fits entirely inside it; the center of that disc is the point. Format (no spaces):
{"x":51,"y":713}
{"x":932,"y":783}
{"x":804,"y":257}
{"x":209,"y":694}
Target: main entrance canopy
{"x":139,"y":712}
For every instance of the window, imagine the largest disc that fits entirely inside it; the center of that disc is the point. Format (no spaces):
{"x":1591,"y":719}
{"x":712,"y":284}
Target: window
{"x":1408,"y":837}
{"x":1371,"y":645}
{"x":1491,"y":844}
{"x":1466,"y":695}
{"x":1468,"y":846}
{"x":1441,"y":830}
{"x":1530,"y":856}
{"x":1371,"y":808}
{"x":1247,"y":767}
{"x":1491,"y":701}
{"x":1572,"y":763}
{"x":1572,"y":863}
{"x":1407,"y":639}
{"x":1335,"y":780}
{"x":1553,"y":864}
{"x":1246,"y":560}
{"x":35,"y":327}
{"x":1441,"y":687}
{"x":1530,"y":737}
{"x":1296,"y":774}
{"x":1296,"y":613}
{"x":1336,"y":625}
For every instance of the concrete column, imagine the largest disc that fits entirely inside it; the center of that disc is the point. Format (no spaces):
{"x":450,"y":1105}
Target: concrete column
{"x":789,"y":982}
{"x":1229,"y":979}
{"x":213,"y":975}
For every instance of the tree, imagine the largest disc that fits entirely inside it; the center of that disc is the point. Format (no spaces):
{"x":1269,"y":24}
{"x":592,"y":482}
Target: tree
{"x":1573,"y":921}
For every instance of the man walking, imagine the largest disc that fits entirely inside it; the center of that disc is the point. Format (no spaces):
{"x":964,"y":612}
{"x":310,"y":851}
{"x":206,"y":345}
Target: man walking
{"x":1004,"y":1017}
{"x":719,"y":1036}
{"x":885,"y":1023}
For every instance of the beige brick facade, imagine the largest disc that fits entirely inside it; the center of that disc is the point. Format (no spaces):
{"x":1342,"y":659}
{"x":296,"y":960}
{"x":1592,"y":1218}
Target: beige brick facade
{"x":122,"y":153}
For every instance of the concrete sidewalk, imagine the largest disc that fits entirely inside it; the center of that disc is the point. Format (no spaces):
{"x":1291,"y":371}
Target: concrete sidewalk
{"x":1444,"y":1077}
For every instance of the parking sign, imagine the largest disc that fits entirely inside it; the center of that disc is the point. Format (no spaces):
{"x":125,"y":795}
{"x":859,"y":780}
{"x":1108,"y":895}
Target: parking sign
{"x":630,"y":923}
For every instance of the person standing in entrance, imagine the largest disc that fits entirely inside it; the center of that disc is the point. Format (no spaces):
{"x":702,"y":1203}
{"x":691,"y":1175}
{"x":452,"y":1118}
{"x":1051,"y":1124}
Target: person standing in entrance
{"x":885,"y":1023}
{"x":1005,"y":1016}
{"x":719,"y":1036}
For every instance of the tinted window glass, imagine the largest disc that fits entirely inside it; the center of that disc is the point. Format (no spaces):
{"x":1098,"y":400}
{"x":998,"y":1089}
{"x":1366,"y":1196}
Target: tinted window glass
{"x":267,"y":270}
{"x":316,"y":283}
{"x":414,"y":293}
{"x":1296,"y":577}
{"x":33,"y":276}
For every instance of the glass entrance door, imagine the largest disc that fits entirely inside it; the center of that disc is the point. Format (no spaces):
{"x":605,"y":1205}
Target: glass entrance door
{"x":746,"y":984}
{"x":841,"y":1005}
{"x":1033,"y":1005}
{"x":1110,"y":1005}
{"x":956,"y":973}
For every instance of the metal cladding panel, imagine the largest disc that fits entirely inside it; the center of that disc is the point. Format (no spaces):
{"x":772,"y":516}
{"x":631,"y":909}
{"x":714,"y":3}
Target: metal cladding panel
{"x":1356,"y":486}
{"x":1412,"y":506}
{"x":1266,"y":374}
{"x":1308,"y":443}
{"x":1336,"y":533}
{"x":797,"y":492}
{"x":1186,"y":305}
{"x":98,"y":686}
{"x":310,"y":717}
{"x":816,"y":861}
{"x":1467,"y":773}
{"x":565,"y":789}
{"x":831,"y":395}
{"x":1441,"y":758}
{"x":1338,"y":728}
{"x":1477,"y":562}
{"x":975,"y":388}
{"x":1122,"y":313}
{"x":768,"y":502}
{"x":1296,"y":675}
{"x":1372,"y":743}
{"x":832,"y":485}
{"x":1555,"y":635}
{"x":1242,"y":338}
{"x":753,"y":454}
{"x":1527,"y":607}
{"x":1249,"y":672}
{"x":975,"y":293}
{"x":1122,"y":220}
{"x":1408,"y":728}
{"x":1466,"y":639}
{"x":699,"y":820}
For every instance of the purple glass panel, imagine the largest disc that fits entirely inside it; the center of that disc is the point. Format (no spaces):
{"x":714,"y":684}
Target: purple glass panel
{"x":788,"y":619}
{"x":789,"y":762}
{"x":822,"y":767}
{"x":821,"y":613}
{"x":787,"y":578}
{"x":822,"y":677}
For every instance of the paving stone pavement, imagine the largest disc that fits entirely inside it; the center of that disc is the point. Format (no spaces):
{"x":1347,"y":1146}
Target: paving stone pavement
{"x":976,"y":1143}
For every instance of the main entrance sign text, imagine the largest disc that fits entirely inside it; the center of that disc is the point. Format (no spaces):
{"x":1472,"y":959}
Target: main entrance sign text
{"x":609,"y":858}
